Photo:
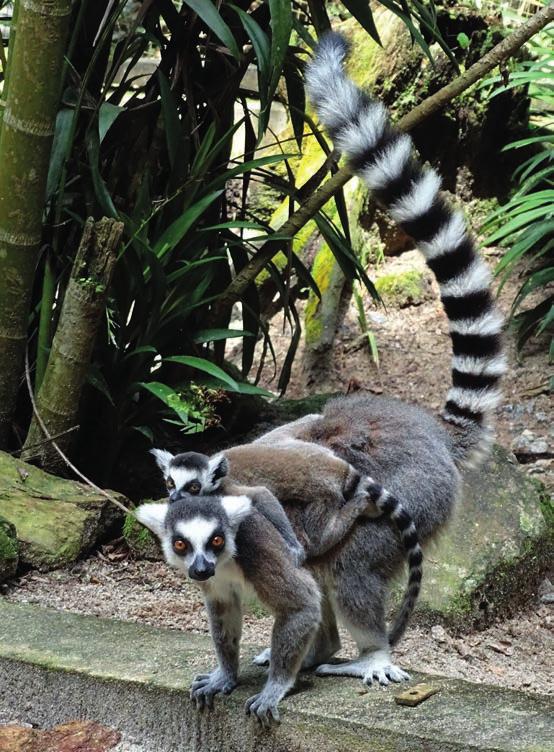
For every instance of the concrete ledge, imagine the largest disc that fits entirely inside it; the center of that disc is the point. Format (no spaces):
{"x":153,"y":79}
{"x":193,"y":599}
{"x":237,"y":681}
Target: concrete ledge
{"x":55,"y":667}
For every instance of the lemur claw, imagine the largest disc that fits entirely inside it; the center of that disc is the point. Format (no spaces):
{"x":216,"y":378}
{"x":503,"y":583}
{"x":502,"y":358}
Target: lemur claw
{"x":206,"y":686}
{"x":265,"y":711}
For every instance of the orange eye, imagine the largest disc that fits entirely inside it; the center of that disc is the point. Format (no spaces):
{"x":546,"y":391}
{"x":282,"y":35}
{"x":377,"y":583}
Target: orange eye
{"x":180,"y":546}
{"x":218,"y":541}
{"x":170,"y":483}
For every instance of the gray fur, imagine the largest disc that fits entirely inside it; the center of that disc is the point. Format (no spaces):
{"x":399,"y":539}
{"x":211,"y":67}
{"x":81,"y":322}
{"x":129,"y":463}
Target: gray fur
{"x":252,"y":557}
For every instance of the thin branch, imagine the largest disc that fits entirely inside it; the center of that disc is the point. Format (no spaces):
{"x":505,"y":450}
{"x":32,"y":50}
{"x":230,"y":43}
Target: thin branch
{"x":45,"y":441}
{"x":502,"y":51}
{"x":64,"y":457}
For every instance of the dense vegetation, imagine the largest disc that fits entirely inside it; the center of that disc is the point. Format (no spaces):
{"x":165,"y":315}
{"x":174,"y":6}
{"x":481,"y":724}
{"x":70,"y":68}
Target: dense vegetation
{"x":158,"y":126}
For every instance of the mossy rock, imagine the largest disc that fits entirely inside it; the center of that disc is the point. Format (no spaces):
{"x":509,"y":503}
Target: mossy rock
{"x":403,"y":289}
{"x":494,"y":553}
{"x":56,"y":520}
{"x":141,"y":542}
{"x":9,"y":550}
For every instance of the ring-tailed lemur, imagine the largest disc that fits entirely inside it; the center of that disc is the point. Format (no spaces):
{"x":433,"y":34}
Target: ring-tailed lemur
{"x":410,"y":452}
{"x":329,"y":494}
{"x":229,"y":547}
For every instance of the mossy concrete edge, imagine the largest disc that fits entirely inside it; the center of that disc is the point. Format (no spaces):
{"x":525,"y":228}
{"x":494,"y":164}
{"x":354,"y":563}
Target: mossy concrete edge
{"x":57,"y":666}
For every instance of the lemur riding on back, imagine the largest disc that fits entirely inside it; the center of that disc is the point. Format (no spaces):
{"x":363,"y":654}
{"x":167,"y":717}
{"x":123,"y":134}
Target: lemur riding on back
{"x":329,"y":495}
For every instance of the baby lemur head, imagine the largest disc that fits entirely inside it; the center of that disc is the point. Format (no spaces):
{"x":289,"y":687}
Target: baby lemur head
{"x":190,"y":472}
{"x":197,"y":533}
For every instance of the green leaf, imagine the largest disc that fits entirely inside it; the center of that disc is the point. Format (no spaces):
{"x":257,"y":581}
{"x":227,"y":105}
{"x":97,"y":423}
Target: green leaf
{"x":102,"y":194}
{"x":207,"y":11}
{"x":281,"y":28}
{"x":178,"y":229}
{"x":463,"y":40}
{"x":201,"y":364}
{"x":361,"y":11}
{"x":212,"y":335}
{"x":60,"y":147}
{"x":106,"y":117}
{"x":172,"y":124}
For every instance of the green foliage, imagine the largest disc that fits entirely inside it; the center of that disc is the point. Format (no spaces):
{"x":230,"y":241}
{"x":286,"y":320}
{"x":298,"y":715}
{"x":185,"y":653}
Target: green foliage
{"x":525,"y":224}
{"x":156,"y":124}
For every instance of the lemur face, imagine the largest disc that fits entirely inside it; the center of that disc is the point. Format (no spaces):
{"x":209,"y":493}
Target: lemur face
{"x":190,"y":472}
{"x":197,"y":533}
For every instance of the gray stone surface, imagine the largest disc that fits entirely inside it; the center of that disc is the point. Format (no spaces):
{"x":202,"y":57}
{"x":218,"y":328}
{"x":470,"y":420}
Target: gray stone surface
{"x":55,"y":667}
{"x":496,"y":550}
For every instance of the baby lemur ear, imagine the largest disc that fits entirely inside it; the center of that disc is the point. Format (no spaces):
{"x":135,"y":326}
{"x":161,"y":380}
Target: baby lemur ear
{"x":236,"y":508}
{"x":163,"y":459}
{"x":218,"y":468}
{"x":153,"y":516}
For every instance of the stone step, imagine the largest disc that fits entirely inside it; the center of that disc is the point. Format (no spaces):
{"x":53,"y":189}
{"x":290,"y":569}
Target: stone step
{"x":56,"y":667}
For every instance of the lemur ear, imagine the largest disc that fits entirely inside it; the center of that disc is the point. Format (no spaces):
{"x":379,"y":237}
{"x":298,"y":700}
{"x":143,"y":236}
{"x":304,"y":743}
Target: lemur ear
{"x":163,"y":458}
{"x":236,"y":508}
{"x":152,"y":516}
{"x":218,"y":468}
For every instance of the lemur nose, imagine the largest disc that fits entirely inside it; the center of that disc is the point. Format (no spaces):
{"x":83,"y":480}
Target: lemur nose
{"x":201,"y":569}
{"x":175,"y":495}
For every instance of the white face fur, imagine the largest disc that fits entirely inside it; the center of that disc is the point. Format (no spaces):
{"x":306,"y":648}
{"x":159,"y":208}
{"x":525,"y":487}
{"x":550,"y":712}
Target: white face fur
{"x":198,"y":544}
{"x":193,"y":479}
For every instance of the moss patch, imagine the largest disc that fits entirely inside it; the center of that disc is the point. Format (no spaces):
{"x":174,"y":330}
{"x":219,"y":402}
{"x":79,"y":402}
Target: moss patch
{"x":9,"y":550}
{"x":56,"y":519}
{"x":142,"y":543}
{"x":403,"y":289}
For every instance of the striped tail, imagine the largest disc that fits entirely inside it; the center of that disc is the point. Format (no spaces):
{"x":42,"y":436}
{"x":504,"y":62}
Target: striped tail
{"x":384,"y":158}
{"x":393,"y":509}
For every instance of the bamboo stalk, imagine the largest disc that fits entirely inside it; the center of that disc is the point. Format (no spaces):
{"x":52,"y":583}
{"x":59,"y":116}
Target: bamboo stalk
{"x":84,"y":303}
{"x":502,"y":51}
{"x":35,"y":67}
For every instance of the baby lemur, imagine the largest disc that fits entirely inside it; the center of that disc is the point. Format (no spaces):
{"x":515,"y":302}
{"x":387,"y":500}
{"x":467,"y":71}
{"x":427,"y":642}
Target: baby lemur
{"x":329,"y":497}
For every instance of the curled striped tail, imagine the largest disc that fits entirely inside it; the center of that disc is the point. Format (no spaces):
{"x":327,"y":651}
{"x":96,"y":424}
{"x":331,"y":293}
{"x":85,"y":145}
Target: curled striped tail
{"x":384,"y":158}
{"x":393,"y":509}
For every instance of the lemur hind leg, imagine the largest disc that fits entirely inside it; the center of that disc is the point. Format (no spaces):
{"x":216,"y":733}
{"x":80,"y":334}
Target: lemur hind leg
{"x":361,"y":606}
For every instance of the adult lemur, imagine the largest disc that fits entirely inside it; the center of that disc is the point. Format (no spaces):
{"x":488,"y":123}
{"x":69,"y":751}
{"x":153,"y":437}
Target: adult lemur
{"x":413,"y":454}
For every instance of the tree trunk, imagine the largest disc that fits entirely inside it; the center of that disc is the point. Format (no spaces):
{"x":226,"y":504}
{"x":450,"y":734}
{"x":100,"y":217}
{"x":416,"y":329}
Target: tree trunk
{"x":84,"y":303}
{"x":35,"y":67}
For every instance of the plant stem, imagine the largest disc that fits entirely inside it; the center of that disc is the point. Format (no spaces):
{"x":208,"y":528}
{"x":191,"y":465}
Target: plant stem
{"x":34,"y":67}
{"x":502,"y":51}
{"x":45,"y":321}
{"x":84,"y":302}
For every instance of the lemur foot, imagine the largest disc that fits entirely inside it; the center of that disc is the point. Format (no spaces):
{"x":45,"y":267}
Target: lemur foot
{"x":206,"y":686}
{"x":263,"y":658}
{"x":366,"y":489}
{"x":263,"y":707}
{"x":376,"y":666}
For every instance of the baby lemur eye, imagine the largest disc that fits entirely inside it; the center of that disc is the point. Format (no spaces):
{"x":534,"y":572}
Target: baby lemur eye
{"x":180,"y":546}
{"x":218,"y":541}
{"x":194,"y":488}
{"x":170,"y":483}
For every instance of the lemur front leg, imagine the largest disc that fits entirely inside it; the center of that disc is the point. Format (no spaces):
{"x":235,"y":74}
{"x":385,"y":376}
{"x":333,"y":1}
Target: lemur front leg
{"x":298,"y":614}
{"x":225,"y":617}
